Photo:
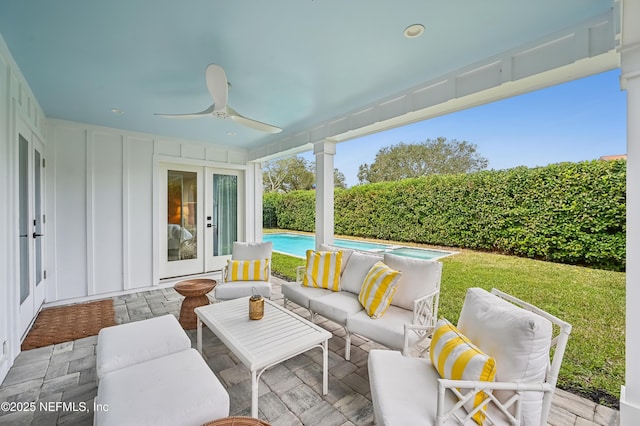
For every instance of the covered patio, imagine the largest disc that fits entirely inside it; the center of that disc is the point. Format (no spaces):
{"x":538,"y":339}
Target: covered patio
{"x":86,"y":167}
{"x":290,"y":393}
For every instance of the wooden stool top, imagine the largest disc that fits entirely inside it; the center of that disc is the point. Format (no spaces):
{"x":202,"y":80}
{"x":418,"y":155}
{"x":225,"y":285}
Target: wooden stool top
{"x":195,"y":287}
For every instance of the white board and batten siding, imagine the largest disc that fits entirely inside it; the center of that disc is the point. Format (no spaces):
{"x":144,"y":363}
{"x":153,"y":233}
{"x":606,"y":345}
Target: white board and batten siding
{"x":103,"y":198}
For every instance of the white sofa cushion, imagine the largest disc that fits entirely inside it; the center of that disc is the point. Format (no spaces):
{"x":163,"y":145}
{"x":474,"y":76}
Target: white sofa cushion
{"x":302,"y":295}
{"x":419,"y":278}
{"x":237,"y":289}
{"x":404,"y":389}
{"x":123,"y":345}
{"x":250,"y":251}
{"x":346,"y":254}
{"x":387,"y":330}
{"x":378,"y":289}
{"x":518,"y":339}
{"x":177,"y":389}
{"x":357,"y":269}
{"x":336,"y":306}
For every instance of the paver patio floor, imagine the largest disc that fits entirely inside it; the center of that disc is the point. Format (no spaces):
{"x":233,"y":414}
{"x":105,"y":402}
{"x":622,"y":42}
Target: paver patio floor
{"x":64,"y":377}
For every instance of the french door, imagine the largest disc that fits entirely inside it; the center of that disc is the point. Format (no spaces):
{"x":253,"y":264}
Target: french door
{"x":202,"y":214}
{"x":31,"y":221}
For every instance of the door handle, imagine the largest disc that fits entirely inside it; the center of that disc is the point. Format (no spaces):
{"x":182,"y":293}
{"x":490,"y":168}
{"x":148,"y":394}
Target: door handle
{"x":24,"y":236}
{"x":37,"y":235}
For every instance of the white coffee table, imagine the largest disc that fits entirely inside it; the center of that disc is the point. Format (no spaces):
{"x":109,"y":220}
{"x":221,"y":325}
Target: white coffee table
{"x":260,"y":344}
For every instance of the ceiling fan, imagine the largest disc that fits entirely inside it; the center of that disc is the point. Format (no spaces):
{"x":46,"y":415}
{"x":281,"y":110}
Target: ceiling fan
{"x":218,"y":88}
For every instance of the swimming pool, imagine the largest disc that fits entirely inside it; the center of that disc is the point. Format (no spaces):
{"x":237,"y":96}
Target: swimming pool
{"x":298,"y":244}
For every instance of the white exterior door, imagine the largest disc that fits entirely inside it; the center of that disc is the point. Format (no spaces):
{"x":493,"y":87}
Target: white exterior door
{"x":201,"y":213}
{"x":31,"y":222}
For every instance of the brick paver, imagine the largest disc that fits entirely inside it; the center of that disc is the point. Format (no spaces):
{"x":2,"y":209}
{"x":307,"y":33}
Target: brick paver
{"x":63,"y":378}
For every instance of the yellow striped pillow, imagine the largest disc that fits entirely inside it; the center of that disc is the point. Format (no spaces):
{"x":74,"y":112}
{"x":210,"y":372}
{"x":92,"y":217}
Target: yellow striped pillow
{"x":323,"y":269}
{"x":248,"y":270}
{"x":456,"y":358}
{"x":378,"y":289}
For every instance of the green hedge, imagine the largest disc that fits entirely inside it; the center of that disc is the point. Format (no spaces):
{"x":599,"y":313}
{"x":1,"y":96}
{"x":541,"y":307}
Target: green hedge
{"x":296,"y":210}
{"x":270,"y":201}
{"x":571,"y":213}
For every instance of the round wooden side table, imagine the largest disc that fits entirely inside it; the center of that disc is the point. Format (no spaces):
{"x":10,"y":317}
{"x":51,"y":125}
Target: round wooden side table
{"x":195,"y":294}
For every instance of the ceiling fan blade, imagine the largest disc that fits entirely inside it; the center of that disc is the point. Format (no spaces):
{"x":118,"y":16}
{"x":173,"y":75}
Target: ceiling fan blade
{"x":254,"y":124}
{"x":217,"y":85}
{"x":204,"y":113}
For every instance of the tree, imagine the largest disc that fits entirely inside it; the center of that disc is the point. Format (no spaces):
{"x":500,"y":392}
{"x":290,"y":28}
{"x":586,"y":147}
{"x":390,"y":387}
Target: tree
{"x":293,"y":173}
{"x":288,"y":174}
{"x":438,"y":156}
{"x":339,"y":181}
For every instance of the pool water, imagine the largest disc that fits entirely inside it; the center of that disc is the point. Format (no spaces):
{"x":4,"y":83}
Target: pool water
{"x":298,"y":244}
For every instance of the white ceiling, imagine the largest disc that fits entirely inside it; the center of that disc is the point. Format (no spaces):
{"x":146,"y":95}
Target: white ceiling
{"x":293,"y":63}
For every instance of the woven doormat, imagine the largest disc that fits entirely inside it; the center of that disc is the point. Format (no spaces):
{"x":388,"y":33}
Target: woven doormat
{"x":66,"y":323}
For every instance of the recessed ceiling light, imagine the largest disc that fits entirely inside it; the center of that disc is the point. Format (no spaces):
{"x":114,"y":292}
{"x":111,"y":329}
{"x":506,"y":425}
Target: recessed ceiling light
{"x":117,"y":111}
{"x":231,"y":133}
{"x":413,"y":31}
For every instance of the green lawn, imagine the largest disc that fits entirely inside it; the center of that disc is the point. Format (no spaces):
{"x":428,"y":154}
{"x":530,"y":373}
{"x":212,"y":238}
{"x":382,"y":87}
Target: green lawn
{"x":592,"y":300}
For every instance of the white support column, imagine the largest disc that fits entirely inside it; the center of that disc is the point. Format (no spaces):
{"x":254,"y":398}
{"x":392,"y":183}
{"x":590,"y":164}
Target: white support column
{"x":324,"y":152}
{"x":630,"y":80}
{"x":254,"y":202}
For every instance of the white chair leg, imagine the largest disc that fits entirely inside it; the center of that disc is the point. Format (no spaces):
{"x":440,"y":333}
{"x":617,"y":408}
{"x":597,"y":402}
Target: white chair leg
{"x":347,"y":345}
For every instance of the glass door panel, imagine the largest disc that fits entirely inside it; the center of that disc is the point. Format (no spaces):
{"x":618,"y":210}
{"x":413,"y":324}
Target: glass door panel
{"x":225,"y":213}
{"x":182,"y":215}
{"x":23,"y":189}
{"x":37,"y":216}
{"x":181,"y":235}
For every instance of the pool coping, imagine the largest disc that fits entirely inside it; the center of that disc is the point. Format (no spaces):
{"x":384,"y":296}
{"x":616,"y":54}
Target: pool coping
{"x":375,"y":251}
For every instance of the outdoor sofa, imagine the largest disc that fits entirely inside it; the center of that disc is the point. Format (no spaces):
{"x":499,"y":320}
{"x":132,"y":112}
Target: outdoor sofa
{"x":415,"y":303}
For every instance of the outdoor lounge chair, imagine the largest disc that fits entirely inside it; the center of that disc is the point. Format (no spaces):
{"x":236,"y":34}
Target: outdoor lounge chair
{"x":242,"y":281}
{"x":410,"y":391}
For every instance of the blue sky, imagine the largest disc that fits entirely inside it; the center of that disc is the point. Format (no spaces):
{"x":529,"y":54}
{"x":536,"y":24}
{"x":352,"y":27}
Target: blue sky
{"x":580,"y":120}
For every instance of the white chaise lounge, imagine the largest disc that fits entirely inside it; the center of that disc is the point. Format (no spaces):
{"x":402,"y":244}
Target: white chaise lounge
{"x":135,"y":342}
{"x":149,"y":375}
{"x":410,"y":391}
